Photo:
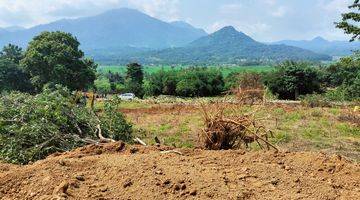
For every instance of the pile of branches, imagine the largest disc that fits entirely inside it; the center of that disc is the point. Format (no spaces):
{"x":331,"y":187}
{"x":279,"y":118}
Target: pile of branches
{"x":250,"y":89}
{"x":232,"y":132}
{"x":34,"y":126}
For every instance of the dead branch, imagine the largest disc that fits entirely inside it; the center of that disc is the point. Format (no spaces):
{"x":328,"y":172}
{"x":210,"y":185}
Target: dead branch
{"x":172,"y":151}
{"x":101,"y":137}
{"x":137,"y":140}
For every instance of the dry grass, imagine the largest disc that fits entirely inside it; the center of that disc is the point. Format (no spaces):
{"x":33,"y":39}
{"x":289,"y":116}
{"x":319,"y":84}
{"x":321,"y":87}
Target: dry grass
{"x":295,"y":127}
{"x":250,"y":89}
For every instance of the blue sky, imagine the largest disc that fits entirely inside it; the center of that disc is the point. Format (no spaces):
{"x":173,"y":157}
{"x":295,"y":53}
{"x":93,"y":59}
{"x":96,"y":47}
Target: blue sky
{"x":264,"y":20}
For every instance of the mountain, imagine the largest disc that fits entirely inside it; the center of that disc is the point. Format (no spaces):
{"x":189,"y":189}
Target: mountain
{"x":189,"y":27}
{"x":320,"y":45}
{"x":14,"y":28}
{"x":117,"y":28}
{"x":227,"y":46}
{"x":3,"y":31}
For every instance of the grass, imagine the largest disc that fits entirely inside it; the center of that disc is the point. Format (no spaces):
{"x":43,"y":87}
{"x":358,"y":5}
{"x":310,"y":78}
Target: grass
{"x":294,"y":128}
{"x":226,"y":70}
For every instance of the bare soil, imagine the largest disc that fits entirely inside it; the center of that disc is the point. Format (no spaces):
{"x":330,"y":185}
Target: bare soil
{"x":119,"y":171}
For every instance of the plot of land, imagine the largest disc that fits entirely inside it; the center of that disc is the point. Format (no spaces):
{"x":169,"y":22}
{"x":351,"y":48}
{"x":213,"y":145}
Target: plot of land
{"x":114,"y":171}
{"x":318,"y":159}
{"x":295,"y":127}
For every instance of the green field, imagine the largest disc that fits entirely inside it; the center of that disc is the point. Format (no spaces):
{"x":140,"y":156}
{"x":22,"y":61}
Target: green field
{"x":151,"y":69}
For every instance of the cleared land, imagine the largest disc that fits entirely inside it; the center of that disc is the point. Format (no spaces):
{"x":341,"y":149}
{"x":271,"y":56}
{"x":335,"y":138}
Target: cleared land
{"x":177,"y":122}
{"x":318,"y":158}
{"x":115,"y":171}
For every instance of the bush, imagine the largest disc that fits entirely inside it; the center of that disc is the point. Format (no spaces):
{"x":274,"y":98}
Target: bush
{"x":291,"y":79}
{"x":191,"y":82}
{"x":32,"y":127}
{"x":345,"y":77}
{"x":113,"y":122}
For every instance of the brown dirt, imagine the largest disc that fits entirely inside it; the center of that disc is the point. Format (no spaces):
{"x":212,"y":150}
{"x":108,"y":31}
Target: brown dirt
{"x":115,"y":171}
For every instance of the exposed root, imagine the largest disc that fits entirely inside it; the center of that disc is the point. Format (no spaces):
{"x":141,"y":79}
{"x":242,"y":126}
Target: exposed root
{"x":232,"y":132}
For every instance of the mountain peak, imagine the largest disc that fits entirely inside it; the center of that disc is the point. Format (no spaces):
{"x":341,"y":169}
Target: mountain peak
{"x":229,"y":29}
{"x":319,"y":39}
{"x":123,"y":12}
{"x":225,"y":36}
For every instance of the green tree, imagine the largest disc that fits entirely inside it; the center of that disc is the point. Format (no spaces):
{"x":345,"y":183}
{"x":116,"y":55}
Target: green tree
{"x":134,"y":79}
{"x":292,"y":79}
{"x":13,"y":78}
{"x":342,"y":72}
{"x":54,"y":58}
{"x":350,"y":21}
{"x":103,"y":85}
{"x":344,"y":77}
{"x":13,"y":53}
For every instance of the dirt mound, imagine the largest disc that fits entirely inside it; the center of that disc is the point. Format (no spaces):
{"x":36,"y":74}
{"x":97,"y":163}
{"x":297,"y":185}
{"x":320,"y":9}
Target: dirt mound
{"x":118,"y":171}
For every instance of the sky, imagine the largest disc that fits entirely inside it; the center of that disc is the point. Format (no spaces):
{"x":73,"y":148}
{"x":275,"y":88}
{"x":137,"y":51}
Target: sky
{"x":264,"y":20}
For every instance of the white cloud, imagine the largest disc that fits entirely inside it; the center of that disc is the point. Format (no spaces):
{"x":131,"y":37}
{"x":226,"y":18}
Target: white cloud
{"x":230,"y":8}
{"x":336,"y":5}
{"x":280,"y":11}
{"x":163,"y":9}
{"x":270,"y":2}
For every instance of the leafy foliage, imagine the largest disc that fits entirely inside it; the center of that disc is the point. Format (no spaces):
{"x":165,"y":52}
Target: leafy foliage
{"x":113,"y":122}
{"x":103,"y":85}
{"x":345,"y":76}
{"x":12,"y":76}
{"x":191,"y":82}
{"x":134,"y":79}
{"x":350,"y":21}
{"x":32,"y":127}
{"x":292,"y":79}
{"x":54,"y":58}
{"x":12,"y":53}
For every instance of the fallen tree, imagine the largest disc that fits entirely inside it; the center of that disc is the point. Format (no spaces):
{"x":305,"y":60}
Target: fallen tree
{"x":32,"y":127}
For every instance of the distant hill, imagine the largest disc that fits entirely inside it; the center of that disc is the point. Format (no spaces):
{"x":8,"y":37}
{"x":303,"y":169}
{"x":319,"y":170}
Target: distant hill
{"x":14,"y":28}
{"x":114,"y":29}
{"x":227,"y":46}
{"x":320,"y":45}
{"x":189,"y":27}
{"x":3,"y":31}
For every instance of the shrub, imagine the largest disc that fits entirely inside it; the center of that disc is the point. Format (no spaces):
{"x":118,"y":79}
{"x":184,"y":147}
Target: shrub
{"x":191,"y":82}
{"x":291,"y":79}
{"x":345,"y":77}
{"x":32,"y":127}
{"x":113,"y":122}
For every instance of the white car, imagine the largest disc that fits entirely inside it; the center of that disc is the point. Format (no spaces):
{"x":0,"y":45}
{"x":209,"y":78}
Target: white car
{"x":127,"y":96}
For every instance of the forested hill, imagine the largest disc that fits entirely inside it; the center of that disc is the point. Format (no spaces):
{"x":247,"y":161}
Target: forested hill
{"x":320,"y":45}
{"x":114,"y":29}
{"x":227,"y":46}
